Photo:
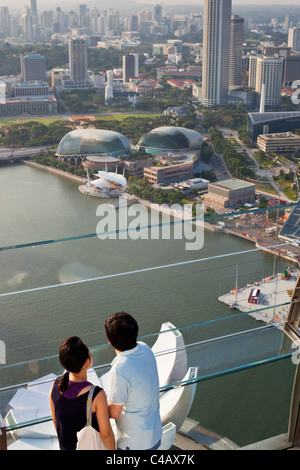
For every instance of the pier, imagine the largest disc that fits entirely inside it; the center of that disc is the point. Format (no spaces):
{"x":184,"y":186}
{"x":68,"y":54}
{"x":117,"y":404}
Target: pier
{"x":274,"y":291}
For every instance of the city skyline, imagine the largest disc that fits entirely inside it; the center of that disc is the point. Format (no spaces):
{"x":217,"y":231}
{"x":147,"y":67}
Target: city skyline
{"x":44,"y":4}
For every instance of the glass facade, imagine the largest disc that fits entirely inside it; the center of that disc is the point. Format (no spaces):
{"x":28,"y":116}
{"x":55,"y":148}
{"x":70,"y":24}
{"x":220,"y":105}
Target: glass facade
{"x":268,"y":123}
{"x":171,"y":138}
{"x":92,"y":141}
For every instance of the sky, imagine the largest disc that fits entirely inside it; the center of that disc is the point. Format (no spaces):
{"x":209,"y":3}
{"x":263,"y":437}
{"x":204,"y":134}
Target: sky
{"x":54,"y":3}
{"x":16,"y":6}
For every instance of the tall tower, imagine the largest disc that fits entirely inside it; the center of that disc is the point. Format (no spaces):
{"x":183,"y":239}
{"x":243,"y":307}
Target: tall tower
{"x":130,"y":66}
{"x":4,"y":21}
{"x":216,"y":51}
{"x":78,"y":62}
{"x":236,"y":51}
{"x":33,"y":10}
{"x":294,"y":39}
{"x":26,"y":21}
{"x":33,"y":67}
{"x":109,"y":87}
{"x":269,"y":72}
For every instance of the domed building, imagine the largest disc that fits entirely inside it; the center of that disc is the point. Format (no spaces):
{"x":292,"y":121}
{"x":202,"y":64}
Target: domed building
{"x":170,"y":138}
{"x":94,"y":145}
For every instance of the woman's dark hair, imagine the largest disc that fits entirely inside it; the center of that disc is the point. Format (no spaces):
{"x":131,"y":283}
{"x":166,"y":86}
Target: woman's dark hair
{"x":72,"y":355}
{"x":121,"y":330}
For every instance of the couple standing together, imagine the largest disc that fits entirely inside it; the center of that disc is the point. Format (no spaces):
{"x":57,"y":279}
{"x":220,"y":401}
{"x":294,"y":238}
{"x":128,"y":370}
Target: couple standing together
{"x":132,"y":396}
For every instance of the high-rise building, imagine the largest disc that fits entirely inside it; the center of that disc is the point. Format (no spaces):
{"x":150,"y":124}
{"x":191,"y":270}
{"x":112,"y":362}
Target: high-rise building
{"x":236,"y":51}
{"x":83,"y":18}
{"x":33,"y":10}
{"x":294,"y":39}
{"x":26,"y":21}
{"x":130,"y":66}
{"x":78,"y":62}
{"x":113,"y":21}
{"x":267,"y":71}
{"x":252,"y":70}
{"x":109,"y":86}
{"x":4,"y":21}
{"x":286,"y":23}
{"x":216,"y":51}
{"x":157,"y":13}
{"x":33,"y":67}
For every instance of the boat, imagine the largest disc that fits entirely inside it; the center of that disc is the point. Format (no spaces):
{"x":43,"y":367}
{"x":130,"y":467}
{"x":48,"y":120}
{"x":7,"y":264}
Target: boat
{"x":115,"y":206}
{"x":31,"y":404}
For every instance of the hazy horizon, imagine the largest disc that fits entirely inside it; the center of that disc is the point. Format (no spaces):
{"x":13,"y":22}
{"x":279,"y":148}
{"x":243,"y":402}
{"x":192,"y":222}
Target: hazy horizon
{"x":46,"y":4}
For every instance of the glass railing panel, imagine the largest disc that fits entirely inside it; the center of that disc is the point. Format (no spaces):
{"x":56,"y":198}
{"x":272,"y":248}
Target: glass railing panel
{"x":72,"y":282}
{"x":240,"y":395}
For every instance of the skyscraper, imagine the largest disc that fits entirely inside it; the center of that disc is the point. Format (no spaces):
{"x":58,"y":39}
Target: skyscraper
{"x":267,"y":71}
{"x":236,"y":51}
{"x":294,"y":39}
{"x":130,"y":66}
{"x":78,"y":62}
{"x":33,"y":67}
{"x":26,"y":21}
{"x":4,"y":21}
{"x":33,"y":10}
{"x":83,"y":19}
{"x":216,"y":51}
{"x":109,"y":87}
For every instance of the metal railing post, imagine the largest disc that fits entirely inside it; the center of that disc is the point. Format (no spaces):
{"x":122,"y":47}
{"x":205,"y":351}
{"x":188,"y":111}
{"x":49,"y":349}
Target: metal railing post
{"x":3,"y":439}
{"x":294,"y":424}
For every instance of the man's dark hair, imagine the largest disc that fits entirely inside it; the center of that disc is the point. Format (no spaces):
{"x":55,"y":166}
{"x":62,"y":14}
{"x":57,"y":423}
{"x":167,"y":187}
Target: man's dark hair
{"x":121,"y":331}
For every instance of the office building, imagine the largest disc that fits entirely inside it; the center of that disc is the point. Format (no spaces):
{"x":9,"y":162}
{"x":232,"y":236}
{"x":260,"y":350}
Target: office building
{"x":83,"y":18}
{"x":283,"y":142}
{"x":113,"y":21}
{"x":4,"y":21}
{"x":252,"y":70}
{"x":268,"y":71}
{"x":130,"y":66}
{"x":78,"y":62}
{"x":292,"y":68}
{"x":157,"y":13}
{"x":28,"y":98}
{"x":169,"y":173}
{"x":33,"y":10}
{"x":26,"y":22}
{"x":216,"y":51}
{"x":33,"y":67}
{"x":294,"y":39}
{"x":231,"y":193}
{"x":236,"y":51}
{"x":109,"y":86}
{"x":272,"y":122}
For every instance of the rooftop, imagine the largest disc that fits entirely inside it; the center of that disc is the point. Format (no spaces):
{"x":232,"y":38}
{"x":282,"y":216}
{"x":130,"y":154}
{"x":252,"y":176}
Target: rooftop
{"x":257,"y":118}
{"x":233,"y":184}
{"x":280,"y":135}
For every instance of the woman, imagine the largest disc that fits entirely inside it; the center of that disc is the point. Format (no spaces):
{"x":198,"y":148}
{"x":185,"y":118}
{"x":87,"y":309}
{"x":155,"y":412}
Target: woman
{"x":69,"y":394}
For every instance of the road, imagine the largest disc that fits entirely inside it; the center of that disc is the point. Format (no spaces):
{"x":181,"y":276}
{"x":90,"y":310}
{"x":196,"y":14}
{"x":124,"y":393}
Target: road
{"x":262,"y":173}
{"x":10,"y":154}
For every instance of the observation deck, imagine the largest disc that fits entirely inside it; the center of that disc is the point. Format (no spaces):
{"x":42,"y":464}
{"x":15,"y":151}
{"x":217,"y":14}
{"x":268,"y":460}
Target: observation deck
{"x":245,"y":367}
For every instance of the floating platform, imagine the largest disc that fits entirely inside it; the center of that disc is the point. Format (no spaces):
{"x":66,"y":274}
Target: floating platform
{"x":271,"y":291}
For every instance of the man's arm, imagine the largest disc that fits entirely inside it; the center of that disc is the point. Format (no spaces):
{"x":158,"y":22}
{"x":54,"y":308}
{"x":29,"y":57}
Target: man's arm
{"x":114,"y":410}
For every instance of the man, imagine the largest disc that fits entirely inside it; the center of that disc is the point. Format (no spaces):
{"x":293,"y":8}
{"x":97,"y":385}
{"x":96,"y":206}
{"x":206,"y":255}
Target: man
{"x":133,"y":392}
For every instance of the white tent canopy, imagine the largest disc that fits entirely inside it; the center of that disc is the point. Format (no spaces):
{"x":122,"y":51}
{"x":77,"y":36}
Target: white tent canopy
{"x":112,"y":178}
